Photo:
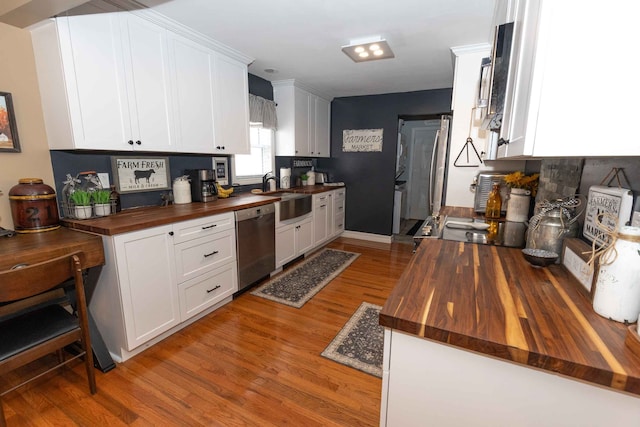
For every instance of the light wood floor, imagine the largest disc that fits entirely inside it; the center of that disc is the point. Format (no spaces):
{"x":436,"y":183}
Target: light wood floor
{"x":253,"y":362}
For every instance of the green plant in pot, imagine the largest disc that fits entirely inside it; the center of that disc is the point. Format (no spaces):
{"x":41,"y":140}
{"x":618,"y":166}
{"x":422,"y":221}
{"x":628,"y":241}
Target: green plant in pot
{"x":82,"y":201}
{"x":102,"y":202}
{"x":304,"y":177}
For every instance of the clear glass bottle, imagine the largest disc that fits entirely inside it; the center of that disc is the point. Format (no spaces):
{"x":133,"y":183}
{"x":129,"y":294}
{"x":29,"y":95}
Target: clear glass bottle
{"x":494,"y":203}
{"x":115,"y":200}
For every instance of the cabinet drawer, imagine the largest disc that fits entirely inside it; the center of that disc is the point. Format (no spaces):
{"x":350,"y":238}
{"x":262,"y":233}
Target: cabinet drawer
{"x":338,"y":206}
{"x":204,"y":291}
{"x":338,"y":223}
{"x":320,"y":199}
{"x":195,"y":228}
{"x":339,"y":194}
{"x":198,"y":256}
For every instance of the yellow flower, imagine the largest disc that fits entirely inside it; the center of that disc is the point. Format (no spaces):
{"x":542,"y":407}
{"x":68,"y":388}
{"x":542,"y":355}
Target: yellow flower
{"x":519,"y":180}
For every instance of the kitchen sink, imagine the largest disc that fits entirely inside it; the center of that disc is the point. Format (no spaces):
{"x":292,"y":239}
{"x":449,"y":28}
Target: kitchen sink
{"x":292,"y":205}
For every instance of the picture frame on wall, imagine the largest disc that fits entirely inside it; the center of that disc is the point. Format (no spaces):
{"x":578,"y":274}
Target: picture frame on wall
{"x":8,"y":129}
{"x":134,"y":174}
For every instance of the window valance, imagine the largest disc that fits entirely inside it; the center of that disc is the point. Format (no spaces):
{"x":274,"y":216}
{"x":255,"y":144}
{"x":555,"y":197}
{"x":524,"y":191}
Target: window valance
{"x":263,"y":111}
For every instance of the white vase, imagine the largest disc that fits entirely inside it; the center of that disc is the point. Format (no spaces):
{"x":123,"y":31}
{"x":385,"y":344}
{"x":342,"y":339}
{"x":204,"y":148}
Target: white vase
{"x":518,"y":206}
{"x":82,"y":212}
{"x":102,"y":209}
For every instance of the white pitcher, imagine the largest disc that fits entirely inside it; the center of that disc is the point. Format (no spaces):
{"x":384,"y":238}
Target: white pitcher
{"x":518,"y":207}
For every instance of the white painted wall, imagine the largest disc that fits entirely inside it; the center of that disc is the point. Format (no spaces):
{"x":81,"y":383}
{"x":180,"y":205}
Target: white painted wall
{"x":465,"y":92}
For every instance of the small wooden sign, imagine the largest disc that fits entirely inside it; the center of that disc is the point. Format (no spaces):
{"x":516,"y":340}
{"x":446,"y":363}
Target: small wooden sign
{"x":136,"y":174}
{"x":575,"y":255}
{"x":362,"y":140}
{"x":615,"y":201}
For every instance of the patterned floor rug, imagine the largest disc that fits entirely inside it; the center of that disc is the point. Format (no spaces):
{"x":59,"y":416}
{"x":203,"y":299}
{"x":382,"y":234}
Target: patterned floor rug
{"x":359,"y":344}
{"x":298,"y":285}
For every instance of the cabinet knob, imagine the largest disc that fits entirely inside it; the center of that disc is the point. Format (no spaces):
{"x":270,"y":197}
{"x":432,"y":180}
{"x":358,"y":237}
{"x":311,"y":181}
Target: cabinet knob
{"x":220,"y":147}
{"x":503,"y":141}
{"x":138,"y":142}
{"x":171,"y":233}
{"x":130,"y":142}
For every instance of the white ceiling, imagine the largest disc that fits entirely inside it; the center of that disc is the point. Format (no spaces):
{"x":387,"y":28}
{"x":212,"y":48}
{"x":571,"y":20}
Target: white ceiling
{"x":302,"y":39}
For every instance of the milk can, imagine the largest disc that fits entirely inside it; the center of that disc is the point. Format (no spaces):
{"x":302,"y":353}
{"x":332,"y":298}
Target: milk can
{"x":617,"y":294}
{"x":181,"y":190}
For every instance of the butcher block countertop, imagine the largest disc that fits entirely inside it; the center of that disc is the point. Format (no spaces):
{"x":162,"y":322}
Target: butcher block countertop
{"x":489,"y":300}
{"x":152,"y":216}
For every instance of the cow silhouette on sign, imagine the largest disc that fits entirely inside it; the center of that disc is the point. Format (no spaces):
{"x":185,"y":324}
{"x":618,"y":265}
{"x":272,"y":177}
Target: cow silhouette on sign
{"x":138,"y":174}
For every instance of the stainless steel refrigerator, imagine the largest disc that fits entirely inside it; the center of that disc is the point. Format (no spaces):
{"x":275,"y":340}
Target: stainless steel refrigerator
{"x":439,"y":160}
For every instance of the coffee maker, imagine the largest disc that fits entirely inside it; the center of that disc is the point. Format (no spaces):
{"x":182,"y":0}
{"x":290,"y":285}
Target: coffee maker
{"x":203,"y":184}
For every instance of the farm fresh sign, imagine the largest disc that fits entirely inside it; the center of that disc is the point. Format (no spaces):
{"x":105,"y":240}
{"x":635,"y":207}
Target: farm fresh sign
{"x":362,"y":140}
{"x":133,"y":174}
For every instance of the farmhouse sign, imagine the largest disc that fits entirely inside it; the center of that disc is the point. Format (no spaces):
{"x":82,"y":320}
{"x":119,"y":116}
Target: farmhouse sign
{"x":135,"y":174}
{"x":362,"y":140}
{"x":615,"y":201}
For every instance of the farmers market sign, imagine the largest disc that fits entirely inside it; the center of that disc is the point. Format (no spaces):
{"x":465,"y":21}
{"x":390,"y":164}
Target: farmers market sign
{"x":362,"y":140}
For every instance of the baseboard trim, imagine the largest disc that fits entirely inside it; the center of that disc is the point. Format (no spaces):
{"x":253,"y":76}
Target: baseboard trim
{"x":367,"y":236}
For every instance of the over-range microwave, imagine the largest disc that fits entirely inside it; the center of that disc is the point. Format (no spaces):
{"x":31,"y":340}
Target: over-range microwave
{"x":221,"y":166}
{"x":499,"y":86}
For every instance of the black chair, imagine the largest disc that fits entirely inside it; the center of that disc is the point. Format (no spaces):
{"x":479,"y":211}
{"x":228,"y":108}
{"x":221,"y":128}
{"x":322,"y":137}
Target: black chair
{"x":34,"y":333}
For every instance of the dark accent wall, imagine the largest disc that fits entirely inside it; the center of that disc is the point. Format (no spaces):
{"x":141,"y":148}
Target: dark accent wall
{"x":370,"y":176}
{"x":260,"y":87}
{"x":74,"y":162}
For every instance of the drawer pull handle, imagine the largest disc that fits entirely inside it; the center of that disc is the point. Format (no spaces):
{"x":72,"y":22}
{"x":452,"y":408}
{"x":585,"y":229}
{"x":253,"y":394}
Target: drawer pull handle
{"x":212,"y":253}
{"x":209,"y":226}
{"x":214,"y":288}
{"x":340,"y":208}
{"x":323,"y":206}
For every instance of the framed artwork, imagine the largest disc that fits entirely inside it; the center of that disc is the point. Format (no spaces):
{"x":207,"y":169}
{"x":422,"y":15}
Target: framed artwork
{"x":137,"y":174}
{"x":8,"y":129}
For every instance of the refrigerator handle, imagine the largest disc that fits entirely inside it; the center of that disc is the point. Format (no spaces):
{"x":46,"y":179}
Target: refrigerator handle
{"x":432,"y":170}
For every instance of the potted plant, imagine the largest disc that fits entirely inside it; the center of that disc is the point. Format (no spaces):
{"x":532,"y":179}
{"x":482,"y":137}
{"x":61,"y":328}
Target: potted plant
{"x":521,"y":188}
{"x":101,"y":202}
{"x":304,"y":177}
{"x":82,"y":202}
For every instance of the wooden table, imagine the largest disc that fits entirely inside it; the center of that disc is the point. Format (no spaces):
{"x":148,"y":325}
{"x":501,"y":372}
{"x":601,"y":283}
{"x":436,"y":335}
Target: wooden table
{"x":31,"y":248}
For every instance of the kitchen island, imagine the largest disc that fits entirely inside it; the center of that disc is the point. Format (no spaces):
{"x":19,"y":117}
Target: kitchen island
{"x":477,"y":336}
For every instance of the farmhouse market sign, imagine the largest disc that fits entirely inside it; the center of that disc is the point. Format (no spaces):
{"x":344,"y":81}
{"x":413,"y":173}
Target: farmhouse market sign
{"x":133,"y":174}
{"x":362,"y":140}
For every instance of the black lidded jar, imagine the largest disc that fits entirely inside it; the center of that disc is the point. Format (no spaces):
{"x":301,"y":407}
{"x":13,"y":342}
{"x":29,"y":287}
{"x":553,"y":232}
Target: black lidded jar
{"x":33,"y":206}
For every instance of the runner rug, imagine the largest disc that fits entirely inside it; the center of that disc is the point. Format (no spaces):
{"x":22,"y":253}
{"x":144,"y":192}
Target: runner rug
{"x":299,"y":284}
{"x":359,"y":344}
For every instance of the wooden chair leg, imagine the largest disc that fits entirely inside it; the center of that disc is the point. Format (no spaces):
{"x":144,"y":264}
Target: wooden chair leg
{"x":3,"y":422}
{"x":88,"y":362}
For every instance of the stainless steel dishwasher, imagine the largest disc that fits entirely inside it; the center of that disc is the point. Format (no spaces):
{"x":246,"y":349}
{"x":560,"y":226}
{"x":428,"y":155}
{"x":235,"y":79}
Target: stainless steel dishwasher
{"x":256,"y":244}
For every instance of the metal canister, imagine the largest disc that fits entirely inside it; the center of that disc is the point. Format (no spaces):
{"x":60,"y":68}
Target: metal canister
{"x":550,"y":230}
{"x":33,"y":206}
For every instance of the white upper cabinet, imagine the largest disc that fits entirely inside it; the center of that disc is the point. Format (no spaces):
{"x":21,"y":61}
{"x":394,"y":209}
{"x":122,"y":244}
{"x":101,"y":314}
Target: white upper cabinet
{"x":118,"y":81}
{"x":303,"y":121}
{"x":232,"y":110}
{"x":193,"y":71}
{"x":573,"y":68}
{"x":146,"y":62}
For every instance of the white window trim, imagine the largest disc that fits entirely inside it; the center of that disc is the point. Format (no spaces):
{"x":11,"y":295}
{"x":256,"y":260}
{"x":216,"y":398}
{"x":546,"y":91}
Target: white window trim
{"x":253,"y":179}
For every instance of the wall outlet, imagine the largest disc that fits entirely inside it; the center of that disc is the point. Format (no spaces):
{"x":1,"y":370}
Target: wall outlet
{"x":104,"y":180}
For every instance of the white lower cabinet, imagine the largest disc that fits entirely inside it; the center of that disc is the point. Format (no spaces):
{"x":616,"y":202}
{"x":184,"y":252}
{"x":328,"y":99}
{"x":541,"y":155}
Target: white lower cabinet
{"x":294,"y":239}
{"x":157,"y":280}
{"x":322,"y":218}
{"x":338,"y":212}
{"x":146,"y":271}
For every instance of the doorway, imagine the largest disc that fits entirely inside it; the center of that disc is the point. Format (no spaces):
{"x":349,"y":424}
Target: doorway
{"x":416,"y":139}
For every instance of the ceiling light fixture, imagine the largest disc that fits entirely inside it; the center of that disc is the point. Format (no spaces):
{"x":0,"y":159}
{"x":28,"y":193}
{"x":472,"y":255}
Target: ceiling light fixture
{"x":368,"y":49}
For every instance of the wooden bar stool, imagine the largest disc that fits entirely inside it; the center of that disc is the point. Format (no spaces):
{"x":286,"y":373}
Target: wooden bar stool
{"x":35,"y":333}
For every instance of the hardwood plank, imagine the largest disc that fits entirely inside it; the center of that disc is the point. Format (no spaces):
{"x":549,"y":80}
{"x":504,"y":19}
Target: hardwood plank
{"x":252,"y":362}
